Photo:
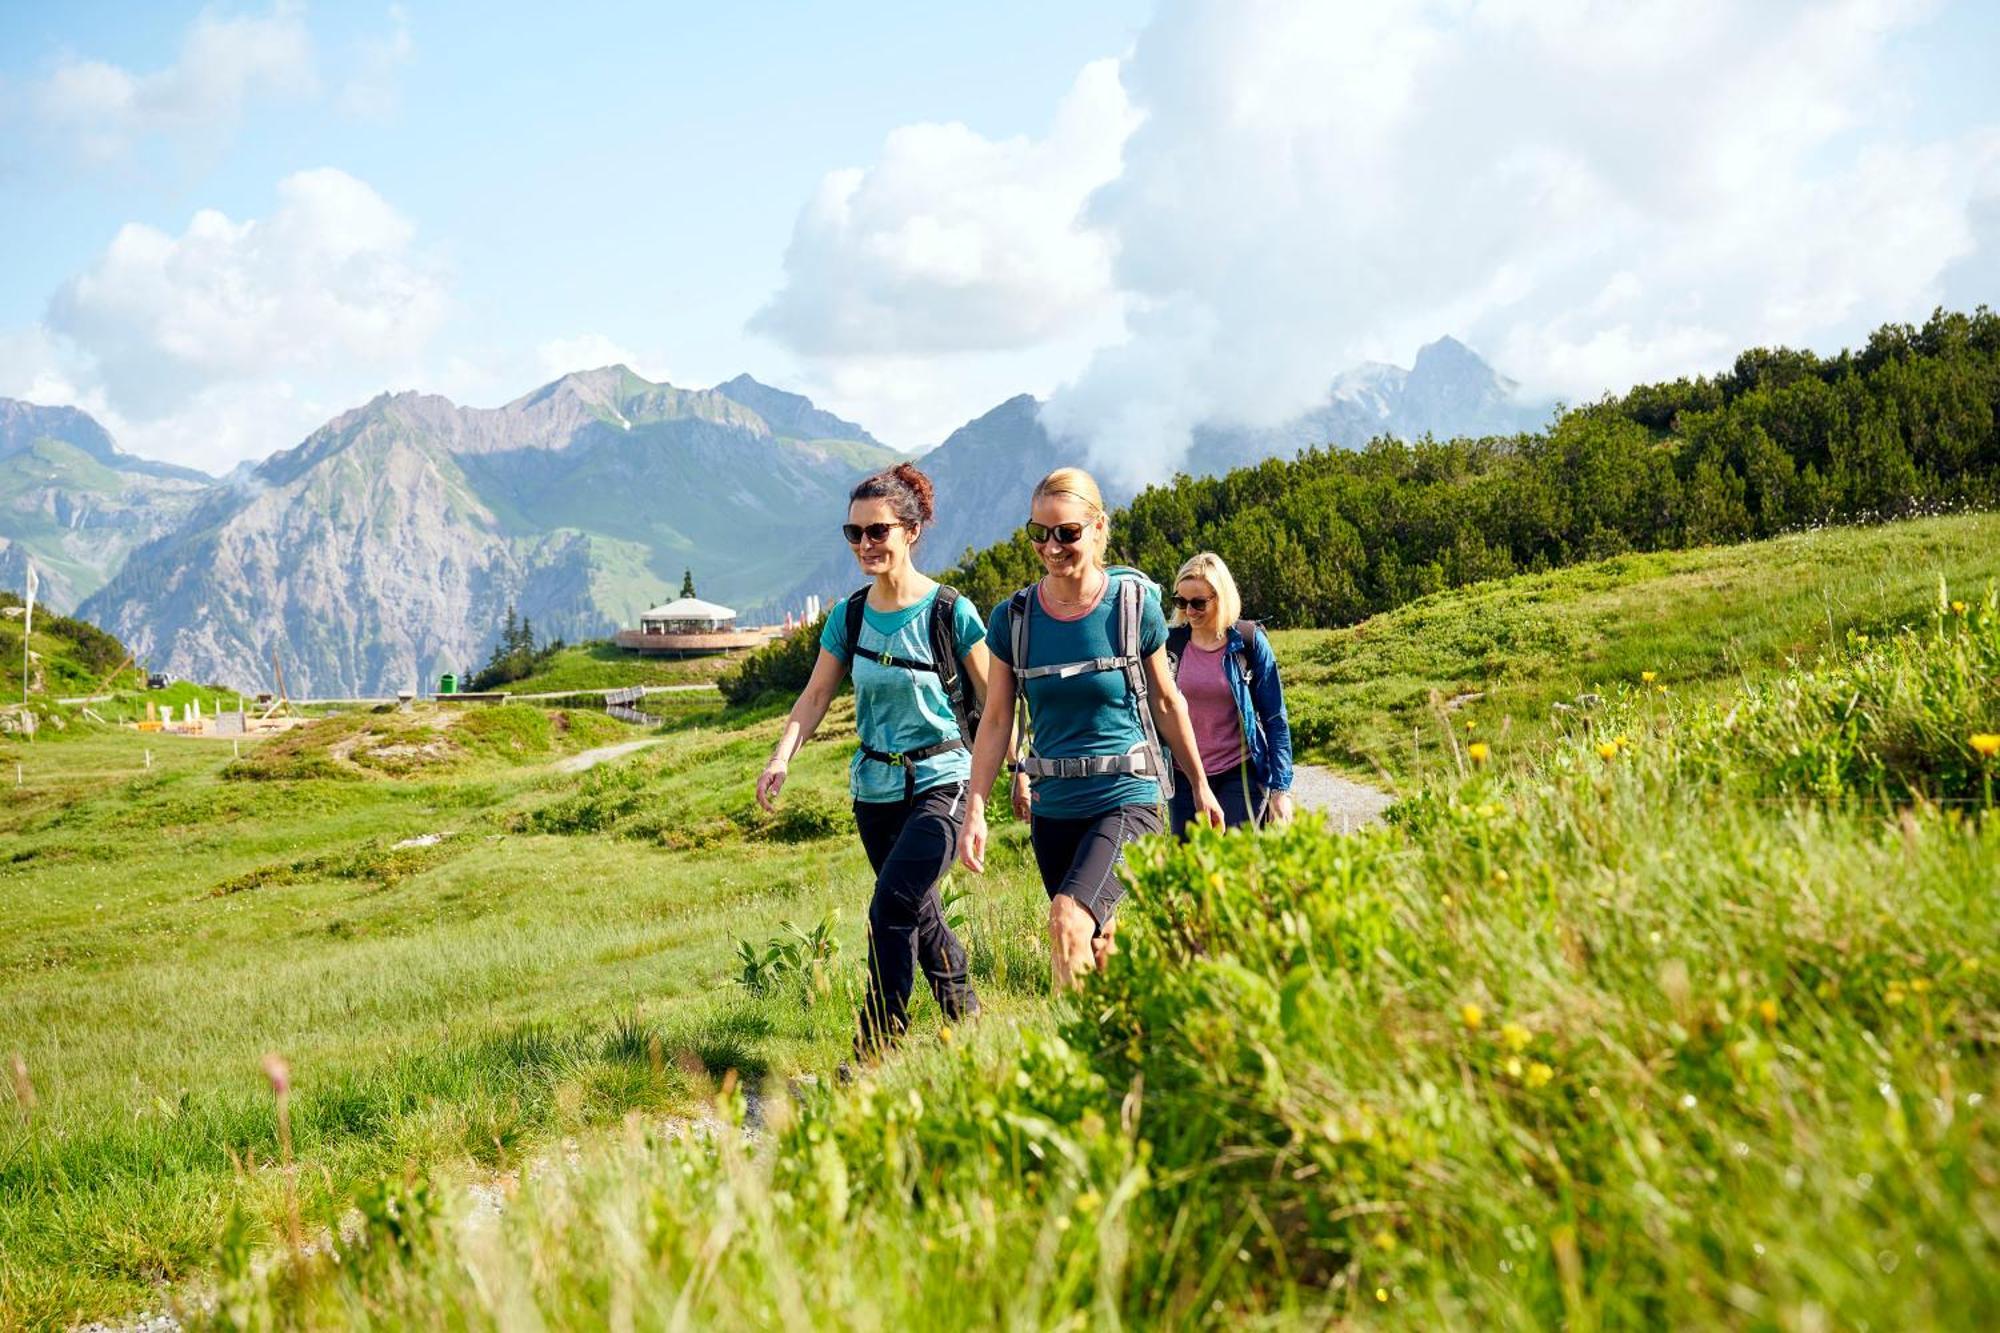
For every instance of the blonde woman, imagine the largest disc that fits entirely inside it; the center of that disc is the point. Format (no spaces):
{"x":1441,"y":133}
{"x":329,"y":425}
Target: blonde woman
{"x":1228,"y":674}
{"x":1085,"y":649}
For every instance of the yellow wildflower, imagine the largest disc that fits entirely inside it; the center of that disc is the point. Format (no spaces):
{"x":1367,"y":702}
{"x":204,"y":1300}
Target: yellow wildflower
{"x":1513,"y":1066}
{"x":1539,"y":1074}
{"x":944,"y":1033}
{"x":1659,"y":689}
{"x":1607,"y":750}
{"x":1471,"y":1015}
{"x":1500,"y":876}
{"x":1987,"y":743}
{"x":1479,"y":752}
{"x":1516,"y":1036}
{"x":1921,"y":985}
{"x":1470,"y":725}
{"x":1768,"y":1010}
{"x":1958,"y":608}
{"x":1649,"y":676}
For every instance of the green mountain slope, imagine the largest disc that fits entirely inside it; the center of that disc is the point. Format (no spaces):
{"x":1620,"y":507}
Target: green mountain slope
{"x":75,"y":505}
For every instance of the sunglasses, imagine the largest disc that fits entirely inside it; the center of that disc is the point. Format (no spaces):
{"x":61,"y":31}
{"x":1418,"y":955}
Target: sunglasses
{"x":1194,"y":604}
{"x":1069,"y":534}
{"x":875,"y":532}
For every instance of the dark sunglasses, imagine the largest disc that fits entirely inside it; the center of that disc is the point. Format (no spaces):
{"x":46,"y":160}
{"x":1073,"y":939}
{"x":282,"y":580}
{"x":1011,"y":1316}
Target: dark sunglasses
{"x":1069,"y":534}
{"x":1194,"y":604}
{"x":875,"y":532}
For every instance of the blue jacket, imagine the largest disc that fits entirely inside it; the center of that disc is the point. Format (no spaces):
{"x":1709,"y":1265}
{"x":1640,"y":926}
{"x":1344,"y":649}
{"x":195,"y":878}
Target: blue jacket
{"x":1260,"y":701}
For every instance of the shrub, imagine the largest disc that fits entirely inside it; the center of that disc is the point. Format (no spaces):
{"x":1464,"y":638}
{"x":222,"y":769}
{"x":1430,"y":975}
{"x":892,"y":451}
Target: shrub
{"x":781,"y":667}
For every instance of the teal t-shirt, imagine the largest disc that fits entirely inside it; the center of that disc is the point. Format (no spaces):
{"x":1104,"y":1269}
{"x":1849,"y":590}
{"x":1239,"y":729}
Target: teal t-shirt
{"x":1082,"y":715}
{"x":896,"y":709}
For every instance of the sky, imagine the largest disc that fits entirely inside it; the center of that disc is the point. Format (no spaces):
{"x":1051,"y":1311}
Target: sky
{"x":225,"y":224}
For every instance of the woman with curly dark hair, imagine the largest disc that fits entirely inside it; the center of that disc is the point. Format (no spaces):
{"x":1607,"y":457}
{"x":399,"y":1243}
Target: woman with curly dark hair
{"x":917,"y":655}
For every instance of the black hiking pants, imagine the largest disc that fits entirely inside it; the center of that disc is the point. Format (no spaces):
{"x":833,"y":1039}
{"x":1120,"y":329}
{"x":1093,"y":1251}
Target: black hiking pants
{"x":911,"y":844}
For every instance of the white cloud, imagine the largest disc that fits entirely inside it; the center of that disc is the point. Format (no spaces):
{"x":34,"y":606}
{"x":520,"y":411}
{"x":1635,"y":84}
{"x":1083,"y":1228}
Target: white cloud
{"x":328,"y":283}
{"x":1597,"y":191}
{"x":233,"y":339}
{"x":953,"y":242}
{"x":223,"y":63}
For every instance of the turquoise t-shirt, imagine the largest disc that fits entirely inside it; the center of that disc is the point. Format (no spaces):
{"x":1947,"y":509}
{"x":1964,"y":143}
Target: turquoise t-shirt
{"x":1082,"y":715}
{"x":895,"y":709}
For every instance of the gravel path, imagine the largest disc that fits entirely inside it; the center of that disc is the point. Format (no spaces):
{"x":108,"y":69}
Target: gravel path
{"x":588,"y":759}
{"x":1346,"y":803}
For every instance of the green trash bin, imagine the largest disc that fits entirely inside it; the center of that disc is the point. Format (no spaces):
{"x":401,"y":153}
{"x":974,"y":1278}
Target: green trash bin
{"x":447,"y":684}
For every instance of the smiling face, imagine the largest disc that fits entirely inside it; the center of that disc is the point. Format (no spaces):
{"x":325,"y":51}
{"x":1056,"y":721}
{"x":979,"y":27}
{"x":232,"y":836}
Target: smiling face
{"x":879,"y":557}
{"x":1069,"y":559}
{"x":1192,"y":589}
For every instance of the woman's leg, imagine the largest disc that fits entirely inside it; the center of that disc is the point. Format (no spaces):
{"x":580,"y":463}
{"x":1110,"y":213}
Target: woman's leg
{"x":1239,"y":796}
{"x":892,"y":926}
{"x":930,"y":839}
{"x":1084,"y":893}
{"x":911,"y":845}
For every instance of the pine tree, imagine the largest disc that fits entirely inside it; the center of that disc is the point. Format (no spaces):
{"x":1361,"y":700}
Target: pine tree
{"x":687,"y":583}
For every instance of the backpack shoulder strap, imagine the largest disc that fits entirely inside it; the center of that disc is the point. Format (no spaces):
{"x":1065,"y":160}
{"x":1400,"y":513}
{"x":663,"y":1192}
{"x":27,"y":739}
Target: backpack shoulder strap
{"x":1178,"y":638}
{"x":1132,"y":594}
{"x":1248,"y":630}
{"x":857,"y":605}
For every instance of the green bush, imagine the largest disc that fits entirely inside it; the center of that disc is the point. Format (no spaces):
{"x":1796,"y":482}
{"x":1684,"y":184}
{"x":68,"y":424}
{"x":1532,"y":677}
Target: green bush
{"x":781,"y":667}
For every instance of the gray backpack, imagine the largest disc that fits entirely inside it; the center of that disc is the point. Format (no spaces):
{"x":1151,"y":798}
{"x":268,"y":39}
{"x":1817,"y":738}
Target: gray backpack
{"x":1145,"y":759}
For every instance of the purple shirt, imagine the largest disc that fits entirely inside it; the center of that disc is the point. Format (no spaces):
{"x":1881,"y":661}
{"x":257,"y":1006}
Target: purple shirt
{"x":1218,"y":727}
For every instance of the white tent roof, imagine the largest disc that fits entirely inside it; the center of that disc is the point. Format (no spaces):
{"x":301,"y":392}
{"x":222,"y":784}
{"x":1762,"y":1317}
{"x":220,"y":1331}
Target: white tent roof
{"x":690,"y":608}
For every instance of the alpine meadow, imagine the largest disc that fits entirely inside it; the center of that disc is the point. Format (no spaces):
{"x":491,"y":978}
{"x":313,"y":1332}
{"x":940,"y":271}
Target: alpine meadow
{"x":1170,"y":664}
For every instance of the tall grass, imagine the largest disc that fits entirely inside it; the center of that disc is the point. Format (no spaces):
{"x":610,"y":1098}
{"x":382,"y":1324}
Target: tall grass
{"x":1640,"y":1032}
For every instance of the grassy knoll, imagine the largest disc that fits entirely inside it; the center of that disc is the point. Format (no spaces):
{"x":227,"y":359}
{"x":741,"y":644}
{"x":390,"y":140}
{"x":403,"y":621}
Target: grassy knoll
{"x":1687,"y":1021}
{"x":450,"y":1005}
{"x":1702,"y":621}
{"x":599,"y":665}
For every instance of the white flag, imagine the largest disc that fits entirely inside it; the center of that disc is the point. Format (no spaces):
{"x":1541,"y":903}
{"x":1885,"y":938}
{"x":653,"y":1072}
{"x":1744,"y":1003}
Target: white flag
{"x":28,"y":621}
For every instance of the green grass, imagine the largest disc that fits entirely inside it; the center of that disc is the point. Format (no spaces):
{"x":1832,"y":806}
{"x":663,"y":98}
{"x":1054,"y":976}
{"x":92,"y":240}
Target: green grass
{"x":1624,"y":1037}
{"x":1367,"y":698}
{"x":168,"y":925}
{"x":605,"y":666}
{"x":1270,"y":1109}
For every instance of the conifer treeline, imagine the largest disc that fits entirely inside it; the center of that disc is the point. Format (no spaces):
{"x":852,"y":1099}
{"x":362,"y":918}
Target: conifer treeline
{"x":1785,"y":439}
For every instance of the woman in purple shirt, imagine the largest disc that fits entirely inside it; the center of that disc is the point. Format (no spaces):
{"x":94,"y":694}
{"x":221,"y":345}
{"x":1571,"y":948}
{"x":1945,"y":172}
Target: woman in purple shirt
{"x":1229,"y":677}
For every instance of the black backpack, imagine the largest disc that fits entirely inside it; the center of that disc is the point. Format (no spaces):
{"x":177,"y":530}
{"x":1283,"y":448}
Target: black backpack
{"x":944,"y":661}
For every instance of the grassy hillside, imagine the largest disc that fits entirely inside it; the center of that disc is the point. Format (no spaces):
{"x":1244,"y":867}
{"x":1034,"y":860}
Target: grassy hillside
{"x":1686,"y":1022}
{"x":605,"y":666}
{"x":1691,"y":1032}
{"x":1501,"y":655}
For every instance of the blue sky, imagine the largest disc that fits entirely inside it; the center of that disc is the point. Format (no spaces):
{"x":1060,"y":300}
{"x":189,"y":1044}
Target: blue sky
{"x":1155,"y":213}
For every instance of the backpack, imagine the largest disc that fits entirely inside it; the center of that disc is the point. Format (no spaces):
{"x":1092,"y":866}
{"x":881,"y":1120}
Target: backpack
{"x":1178,"y":637}
{"x":944,"y":664}
{"x":1145,"y":759}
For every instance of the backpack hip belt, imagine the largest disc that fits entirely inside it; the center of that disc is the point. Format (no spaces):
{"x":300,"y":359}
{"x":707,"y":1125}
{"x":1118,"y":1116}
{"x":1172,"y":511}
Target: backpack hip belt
{"x":907,"y":760}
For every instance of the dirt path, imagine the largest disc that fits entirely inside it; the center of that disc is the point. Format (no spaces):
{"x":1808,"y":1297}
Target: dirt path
{"x":589,"y":759}
{"x":1346,"y":803}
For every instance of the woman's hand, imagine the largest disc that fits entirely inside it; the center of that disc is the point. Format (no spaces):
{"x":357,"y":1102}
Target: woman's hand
{"x":770,"y":782}
{"x":1207,"y":809}
{"x":1024,"y":797}
{"x":1279,"y":811}
{"x":972,"y":838}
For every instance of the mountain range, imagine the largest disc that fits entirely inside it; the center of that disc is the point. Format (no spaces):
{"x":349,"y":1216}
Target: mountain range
{"x":386,"y":547}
